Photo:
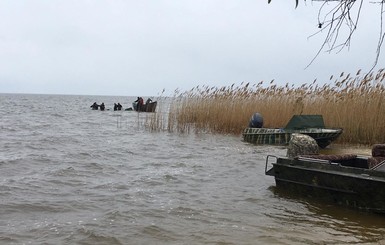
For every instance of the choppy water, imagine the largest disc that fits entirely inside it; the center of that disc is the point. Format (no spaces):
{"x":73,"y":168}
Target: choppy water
{"x":70,"y":175}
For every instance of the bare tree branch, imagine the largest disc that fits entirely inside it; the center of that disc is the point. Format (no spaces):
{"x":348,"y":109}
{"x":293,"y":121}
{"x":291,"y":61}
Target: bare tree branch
{"x":382,"y":35}
{"x":341,"y":14}
{"x":339,"y":18}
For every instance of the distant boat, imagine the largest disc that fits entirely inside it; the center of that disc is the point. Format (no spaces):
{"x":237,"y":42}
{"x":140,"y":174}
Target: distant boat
{"x":312,"y":125}
{"x":148,"y":107}
{"x":347,"y":180}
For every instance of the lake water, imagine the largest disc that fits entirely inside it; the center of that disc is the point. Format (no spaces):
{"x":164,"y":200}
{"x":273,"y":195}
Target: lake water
{"x":71,"y":175}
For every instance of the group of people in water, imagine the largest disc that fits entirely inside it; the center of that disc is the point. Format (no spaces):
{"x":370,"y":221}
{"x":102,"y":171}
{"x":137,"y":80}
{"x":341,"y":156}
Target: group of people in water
{"x":118,"y":106}
{"x":95,"y":106}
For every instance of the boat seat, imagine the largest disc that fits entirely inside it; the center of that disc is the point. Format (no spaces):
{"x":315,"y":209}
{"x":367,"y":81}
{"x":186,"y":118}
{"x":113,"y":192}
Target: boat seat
{"x":378,"y":150}
{"x":332,"y":158}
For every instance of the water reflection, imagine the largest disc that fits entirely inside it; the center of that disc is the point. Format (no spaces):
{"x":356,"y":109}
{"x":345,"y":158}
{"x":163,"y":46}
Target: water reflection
{"x":331,"y":223}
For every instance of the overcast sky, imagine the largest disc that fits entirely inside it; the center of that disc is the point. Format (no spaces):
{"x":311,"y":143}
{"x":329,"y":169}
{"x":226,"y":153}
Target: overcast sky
{"x":139,"y":48}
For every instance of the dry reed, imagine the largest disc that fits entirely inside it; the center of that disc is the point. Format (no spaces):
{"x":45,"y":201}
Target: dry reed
{"x":354,"y":103}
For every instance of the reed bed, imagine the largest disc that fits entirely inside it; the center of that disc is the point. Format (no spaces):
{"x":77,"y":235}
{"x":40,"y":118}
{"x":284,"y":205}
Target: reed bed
{"x":354,"y":103}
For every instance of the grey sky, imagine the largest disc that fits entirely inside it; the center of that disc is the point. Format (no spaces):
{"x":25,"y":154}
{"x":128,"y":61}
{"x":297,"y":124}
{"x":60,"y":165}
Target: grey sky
{"x":103,"y":47}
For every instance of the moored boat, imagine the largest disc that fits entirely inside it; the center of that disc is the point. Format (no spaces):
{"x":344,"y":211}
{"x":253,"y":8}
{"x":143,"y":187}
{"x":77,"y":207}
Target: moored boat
{"x":148,"y":107}
{"x":348,"y":179}
{"x":312,"y":125}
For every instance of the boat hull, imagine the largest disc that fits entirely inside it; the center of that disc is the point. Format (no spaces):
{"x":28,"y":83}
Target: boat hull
{"x":149,"y":107}
{"x":258,"y":136}
{"x":355,"y":187}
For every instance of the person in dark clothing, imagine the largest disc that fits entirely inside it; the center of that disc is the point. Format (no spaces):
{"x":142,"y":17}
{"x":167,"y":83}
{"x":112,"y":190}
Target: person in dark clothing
{"x":94,"y":106}
{"x":119,"y":107}
{"x":102,"y":107}
{"x":115,"y":107}
{"x":139,"y":104}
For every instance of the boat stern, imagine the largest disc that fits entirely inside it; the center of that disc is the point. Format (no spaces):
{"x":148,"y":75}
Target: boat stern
{"x":269,"y":166}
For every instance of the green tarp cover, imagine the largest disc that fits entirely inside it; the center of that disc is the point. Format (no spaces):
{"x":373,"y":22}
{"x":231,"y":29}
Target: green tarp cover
{"x":305,"y":121}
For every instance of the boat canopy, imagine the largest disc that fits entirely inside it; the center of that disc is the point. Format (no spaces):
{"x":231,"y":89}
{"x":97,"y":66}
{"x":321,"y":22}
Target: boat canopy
{"x":305,"y":121}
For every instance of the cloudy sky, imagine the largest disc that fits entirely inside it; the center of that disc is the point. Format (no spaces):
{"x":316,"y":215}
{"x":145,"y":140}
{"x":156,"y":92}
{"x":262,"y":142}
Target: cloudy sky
{"x":132,"y":48}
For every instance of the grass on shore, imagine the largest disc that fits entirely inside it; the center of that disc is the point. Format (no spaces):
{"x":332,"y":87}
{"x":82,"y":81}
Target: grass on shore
{"x":354,"y":103}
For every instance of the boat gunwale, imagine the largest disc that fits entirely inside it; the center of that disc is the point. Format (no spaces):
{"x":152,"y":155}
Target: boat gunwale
{"x":332,"y":168}
{"x":291,"y":131}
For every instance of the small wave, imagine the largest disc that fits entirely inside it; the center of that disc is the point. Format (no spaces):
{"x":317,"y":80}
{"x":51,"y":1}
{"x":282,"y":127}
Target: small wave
{"x":7,"y":191}
{"x":5,"y":129}
{"x":13,"y":160}
{"x":93,"y":237}
{"x":179,"y":165}
{"x":152,"y":182}
{"x":46,"y":207}
{"x":159,"y":233}
{"x":113,"y":215}
{"x":84,"y":154}
{"x":95,"y":166}
{"x":184,"y":212}
{"x":64,"y":171}
{"x":57,"y":115}
{"x":169,"y":177}
{"x":8,"y":240}
{"x":252,"y":200}
{"x":111,"y":186}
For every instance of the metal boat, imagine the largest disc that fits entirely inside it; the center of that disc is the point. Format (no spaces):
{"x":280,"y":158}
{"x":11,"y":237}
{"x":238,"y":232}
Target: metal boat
{"x":148,"y":107}
{"x":348,"y":180}
{"x":312,"y":125}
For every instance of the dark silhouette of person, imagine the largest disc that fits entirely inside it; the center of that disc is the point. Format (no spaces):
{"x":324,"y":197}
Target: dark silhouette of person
{"x":94,"y":106}
{"x":119,"y":107}
{"x":102,"y":107}
{"x":146,"y":106}
{"x":115,"y":107}
{"x":139,"y":103}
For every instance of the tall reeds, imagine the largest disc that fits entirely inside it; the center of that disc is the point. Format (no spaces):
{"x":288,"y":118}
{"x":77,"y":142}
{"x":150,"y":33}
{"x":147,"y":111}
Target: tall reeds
{"x":354,"y":103}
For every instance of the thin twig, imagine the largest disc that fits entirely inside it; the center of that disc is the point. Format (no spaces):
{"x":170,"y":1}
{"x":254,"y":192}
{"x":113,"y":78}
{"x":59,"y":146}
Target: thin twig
{"x":340,"y":15}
